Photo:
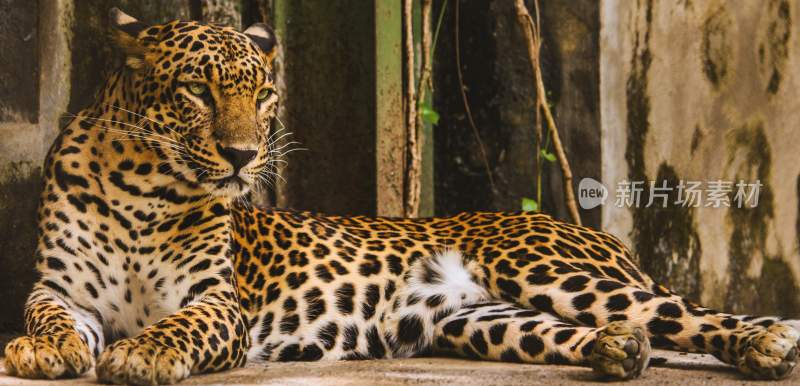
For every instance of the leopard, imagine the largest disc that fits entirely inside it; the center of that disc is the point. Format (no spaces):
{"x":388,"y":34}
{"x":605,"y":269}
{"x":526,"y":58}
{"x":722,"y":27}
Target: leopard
{"x":153,"y":267}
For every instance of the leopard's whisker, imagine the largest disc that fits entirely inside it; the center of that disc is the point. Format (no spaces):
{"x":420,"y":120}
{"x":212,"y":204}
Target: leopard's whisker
{"x":142,"y":128}
{"x":137,"y":136}
{"x":144,"y":117}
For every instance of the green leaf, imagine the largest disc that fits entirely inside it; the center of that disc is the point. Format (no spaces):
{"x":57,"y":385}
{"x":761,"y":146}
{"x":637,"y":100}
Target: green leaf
{"x":548,"y":155}
{"x":529,"y":205}
{"x":428,"y":114}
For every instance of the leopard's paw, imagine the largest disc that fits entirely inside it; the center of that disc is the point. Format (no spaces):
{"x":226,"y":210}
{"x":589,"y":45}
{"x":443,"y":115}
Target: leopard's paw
{"x":771,"y":354}
{"x":48,"y":356}
{"x":620,"y":351}
{"x":140,"y":361}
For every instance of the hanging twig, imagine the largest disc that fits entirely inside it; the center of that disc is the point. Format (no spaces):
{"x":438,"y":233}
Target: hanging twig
{"x":461,"y":87}
{"x":412,"y":173}
{"x":415,"y":167}
{"x":428,"y":50}
{"x":432,"y":50}
{"x":425,"y":60}
{"x":538,"y":128}
{"x":533,"y":38}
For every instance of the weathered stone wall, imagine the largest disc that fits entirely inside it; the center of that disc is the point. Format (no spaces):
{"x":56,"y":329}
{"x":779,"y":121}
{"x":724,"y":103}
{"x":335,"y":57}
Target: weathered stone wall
{"x":707,"y":90}
{"x":31,"y":95}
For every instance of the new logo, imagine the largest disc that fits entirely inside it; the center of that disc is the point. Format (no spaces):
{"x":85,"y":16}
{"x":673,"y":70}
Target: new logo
{"x":591,"y":193}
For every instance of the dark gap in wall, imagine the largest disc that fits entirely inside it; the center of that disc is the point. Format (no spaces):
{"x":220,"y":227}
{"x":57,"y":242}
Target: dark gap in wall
{"x":196,"y":9}
{"x":500,"y":88}
{"x":329,"y":105}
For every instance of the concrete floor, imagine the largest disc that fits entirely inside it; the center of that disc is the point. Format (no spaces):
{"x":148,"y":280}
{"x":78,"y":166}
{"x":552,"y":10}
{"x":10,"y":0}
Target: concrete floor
{"x":679,"y":369}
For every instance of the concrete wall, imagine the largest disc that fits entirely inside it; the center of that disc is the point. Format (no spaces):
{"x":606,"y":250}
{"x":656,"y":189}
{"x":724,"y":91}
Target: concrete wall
{"x":706,"y":90}
{"x":33,"y":75}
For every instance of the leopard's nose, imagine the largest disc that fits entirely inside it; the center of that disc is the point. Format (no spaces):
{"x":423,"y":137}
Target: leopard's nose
{"x":237,"y":157}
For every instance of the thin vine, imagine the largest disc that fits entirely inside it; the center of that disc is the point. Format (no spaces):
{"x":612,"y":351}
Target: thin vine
{"x":467,"y":109}
{"x":533,"y":38}
{"x":418,"y":112}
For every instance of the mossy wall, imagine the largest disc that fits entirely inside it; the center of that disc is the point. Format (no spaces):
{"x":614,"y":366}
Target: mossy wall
{"x":700,"y":91}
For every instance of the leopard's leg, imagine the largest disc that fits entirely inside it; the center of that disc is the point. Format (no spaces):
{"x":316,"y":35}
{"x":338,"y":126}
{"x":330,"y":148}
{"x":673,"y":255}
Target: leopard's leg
{"x":505,"y":332}
{"x":670,"y":323}
{"x":766,"y":321}
{"x":753,"y":361}
{"x":207,"y":335}
{"x":60,"y":340}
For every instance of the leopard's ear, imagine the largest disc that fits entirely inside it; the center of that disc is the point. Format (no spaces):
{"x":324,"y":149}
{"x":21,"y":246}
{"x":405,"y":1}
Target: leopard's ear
{"x":126,"y":30}
{"x":264,"y":38}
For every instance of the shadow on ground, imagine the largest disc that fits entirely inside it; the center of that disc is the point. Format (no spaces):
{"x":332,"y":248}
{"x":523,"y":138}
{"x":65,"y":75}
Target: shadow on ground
{"x":679,"y":369}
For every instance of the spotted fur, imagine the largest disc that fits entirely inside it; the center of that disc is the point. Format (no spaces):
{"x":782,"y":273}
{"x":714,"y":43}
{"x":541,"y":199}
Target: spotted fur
{"x":151,"y":267}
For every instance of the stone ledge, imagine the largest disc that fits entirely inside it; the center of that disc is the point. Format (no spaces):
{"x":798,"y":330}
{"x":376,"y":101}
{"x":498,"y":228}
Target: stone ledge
{"x":680,"y":369}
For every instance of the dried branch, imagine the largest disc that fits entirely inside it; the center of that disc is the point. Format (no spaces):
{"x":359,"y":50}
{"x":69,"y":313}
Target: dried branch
{"x":426,"y":60}
{"x":461,"y":87}
{"x":412,"y":172}
{"x":533,"y":38}
{"x":538,"y":129}
{"x":426,"y":69}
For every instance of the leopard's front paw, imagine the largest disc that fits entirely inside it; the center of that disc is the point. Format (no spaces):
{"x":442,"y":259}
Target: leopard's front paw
{"x":620,"y":351}
{"x":771,"y":354}
{"x":139,"y":361}
{"x":48,"y":356}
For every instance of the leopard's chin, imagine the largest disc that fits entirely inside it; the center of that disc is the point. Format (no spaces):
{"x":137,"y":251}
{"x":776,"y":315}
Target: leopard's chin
{"x":231,"y":187}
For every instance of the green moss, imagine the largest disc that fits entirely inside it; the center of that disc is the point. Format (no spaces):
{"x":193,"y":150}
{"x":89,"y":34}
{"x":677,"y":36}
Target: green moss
{"x":715,"y":48}
{"x":749,"y":224}
{"x":638,"y":101}
{"x":779,"y":31}
{"x":777,"y":291}
{"x":774,"y":82}
{"x":774,"y":290}
{"x":666,"y":240}
{"x":697,"y":137}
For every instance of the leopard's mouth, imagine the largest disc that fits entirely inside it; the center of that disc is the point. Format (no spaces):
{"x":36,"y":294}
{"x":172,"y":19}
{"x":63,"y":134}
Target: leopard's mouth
{"x":230,"y":184}
{"x":232,"y":180}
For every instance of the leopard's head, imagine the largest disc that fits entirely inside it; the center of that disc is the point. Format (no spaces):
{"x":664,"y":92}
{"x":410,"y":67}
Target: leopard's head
{"x":204,"y":99}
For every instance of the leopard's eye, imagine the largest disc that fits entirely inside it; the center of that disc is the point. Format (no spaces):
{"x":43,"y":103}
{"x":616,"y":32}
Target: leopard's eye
{"x":264,"y":94}
{"x":197,"y":88}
